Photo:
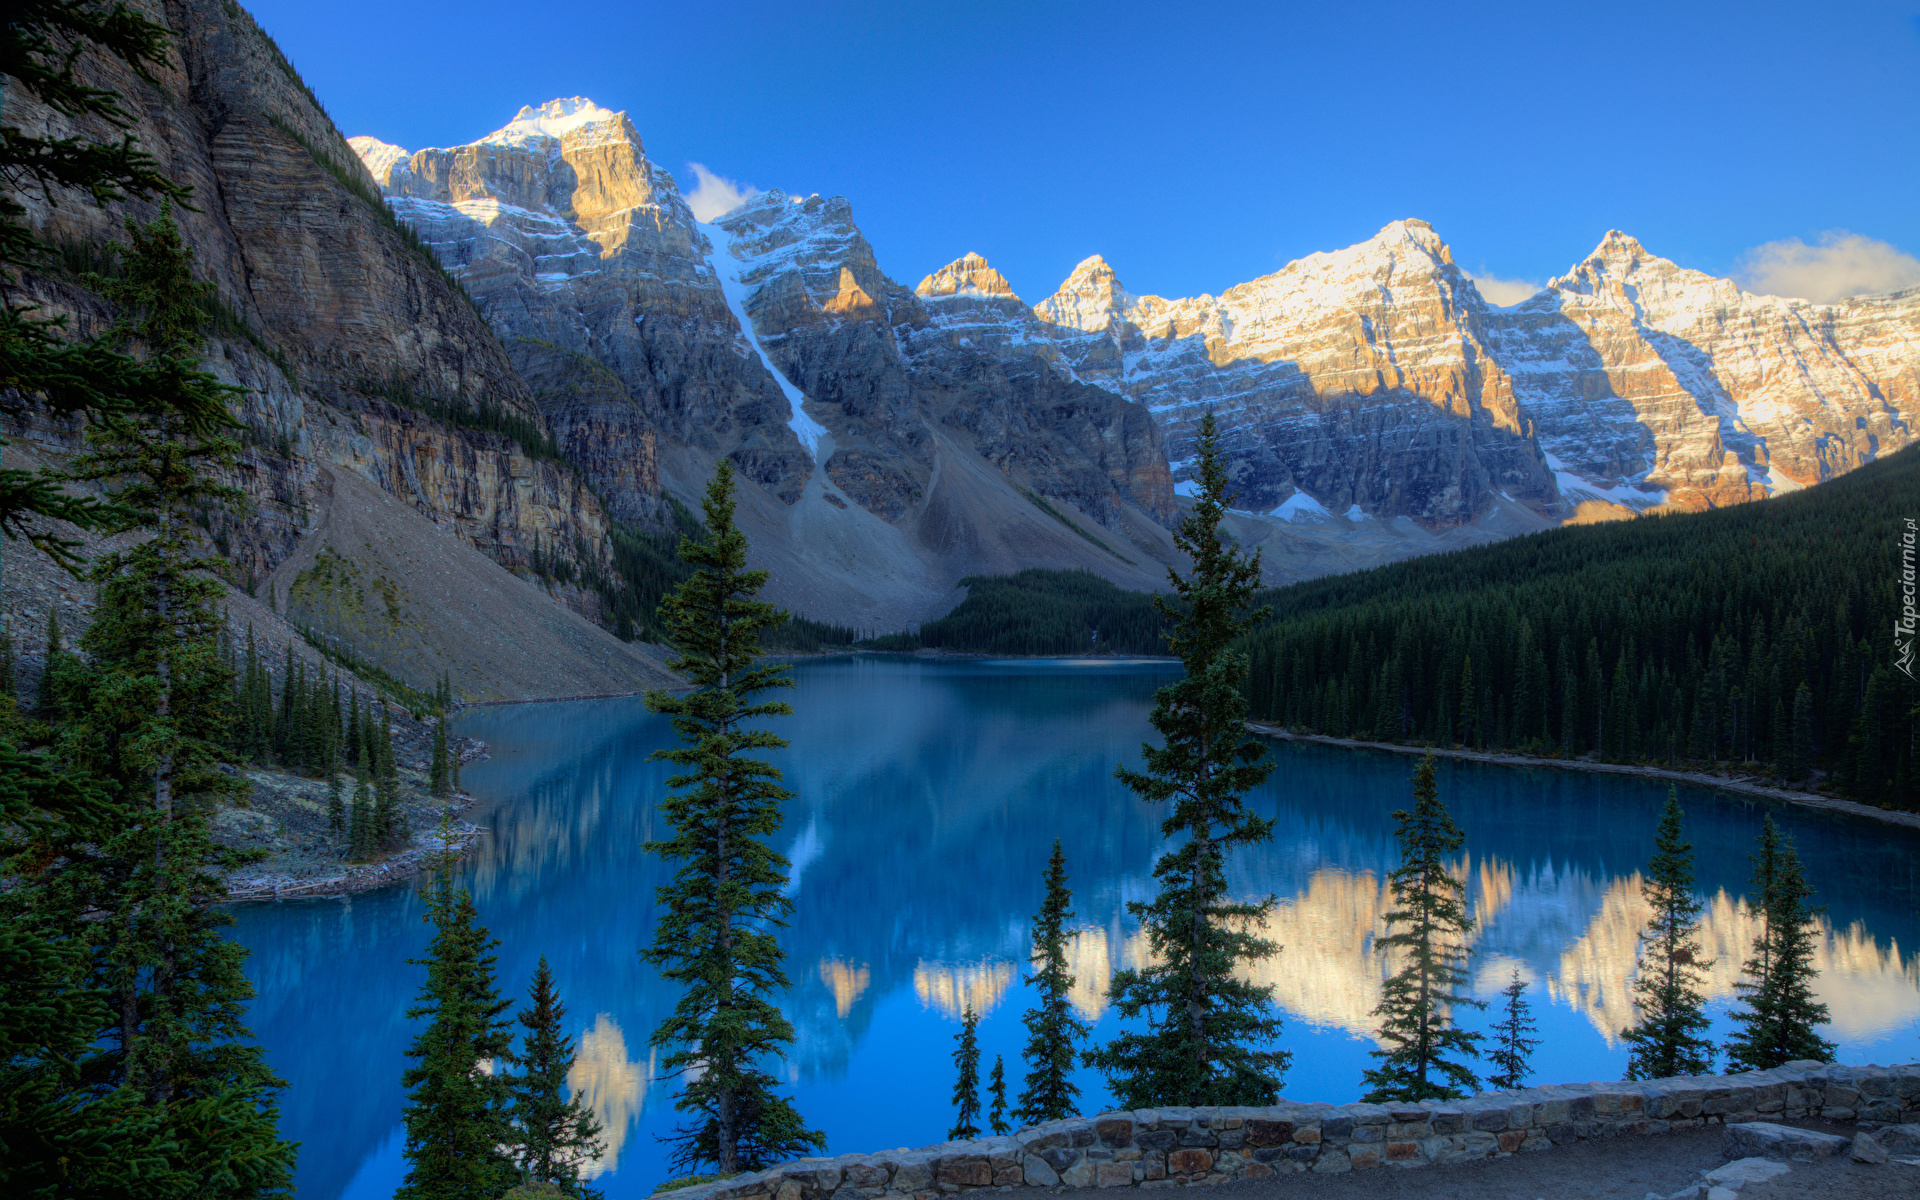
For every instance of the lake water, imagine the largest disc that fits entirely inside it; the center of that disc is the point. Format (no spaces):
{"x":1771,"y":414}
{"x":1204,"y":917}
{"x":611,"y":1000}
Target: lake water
{"x":929,"y":795}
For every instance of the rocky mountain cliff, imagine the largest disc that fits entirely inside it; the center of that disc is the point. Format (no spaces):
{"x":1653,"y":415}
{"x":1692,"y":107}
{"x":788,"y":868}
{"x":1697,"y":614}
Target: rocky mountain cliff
{"x":529,"y":339}
{"x":1374,"y":383}
{"x":890,"y":458}
{"x":355,"y":350}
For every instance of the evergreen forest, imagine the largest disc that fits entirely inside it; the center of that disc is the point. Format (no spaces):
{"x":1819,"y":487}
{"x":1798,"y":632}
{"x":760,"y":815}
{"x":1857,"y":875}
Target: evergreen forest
{"x":1040,"y":612}
{"x":1755,"y":637}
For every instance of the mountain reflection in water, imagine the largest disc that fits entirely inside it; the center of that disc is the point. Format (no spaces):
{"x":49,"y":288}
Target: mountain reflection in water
{"x":928,"y":798}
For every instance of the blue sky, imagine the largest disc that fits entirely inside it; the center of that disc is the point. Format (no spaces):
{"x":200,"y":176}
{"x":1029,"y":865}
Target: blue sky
{"x":1200,"y":146}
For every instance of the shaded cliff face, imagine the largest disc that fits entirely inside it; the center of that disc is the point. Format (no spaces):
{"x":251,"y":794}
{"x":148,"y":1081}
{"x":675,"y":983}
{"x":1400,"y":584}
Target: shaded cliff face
{"x":654,"y":345}
{"x":334,"y":315}
{"x":1375,"y":380}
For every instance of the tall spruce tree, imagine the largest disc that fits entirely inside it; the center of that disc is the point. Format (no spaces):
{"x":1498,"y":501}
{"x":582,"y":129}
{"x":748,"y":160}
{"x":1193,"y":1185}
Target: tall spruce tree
{"x":1512,"y":1048}
{"x":459,"y":1136}
{"x":554,"y":1135}
{"x":715,"y":933}
{"x":1053,"y":1030}
{"x":441,"y":778}
{"x":1205,"y":1029}
{"x":1777,"y":1025}
{"x":997,"y":1090}
{"x":71,"y":1124}
{"x":966,"y":1082}
{"x":153,"y":719}
{"x":1668,"y":1039}
{"x":1430,"y":928}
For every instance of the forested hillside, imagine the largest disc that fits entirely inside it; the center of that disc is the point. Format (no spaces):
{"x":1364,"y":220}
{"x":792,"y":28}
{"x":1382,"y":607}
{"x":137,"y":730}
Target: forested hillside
{"x":1040,"y":612}
{"x":1759,"y":634}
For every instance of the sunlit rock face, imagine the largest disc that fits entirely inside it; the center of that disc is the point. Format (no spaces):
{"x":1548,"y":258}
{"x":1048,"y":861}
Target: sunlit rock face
{"x":613,"y":300}
{"x":1376,"y":377}
{"x":897,"y":459}
{"x":587,"y":262}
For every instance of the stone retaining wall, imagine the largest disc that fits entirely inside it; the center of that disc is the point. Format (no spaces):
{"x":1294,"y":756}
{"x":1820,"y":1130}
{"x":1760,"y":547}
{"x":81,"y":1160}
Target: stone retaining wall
{"x":1165,"y":1147}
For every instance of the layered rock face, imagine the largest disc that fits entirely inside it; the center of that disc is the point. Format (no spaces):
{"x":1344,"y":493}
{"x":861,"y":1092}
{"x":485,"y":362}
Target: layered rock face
{"x":654,"y":345}
{"x":1375,"y":381}
{"x":1632,"y":365}
{"x":344,"y":336}
{"x":587,"y":262}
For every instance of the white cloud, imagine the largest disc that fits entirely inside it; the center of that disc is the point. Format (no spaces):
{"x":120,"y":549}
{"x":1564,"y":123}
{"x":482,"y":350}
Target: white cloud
{"x":715,"y":195}
{"x":1843,"y":264}
{"x":1502,"y":292}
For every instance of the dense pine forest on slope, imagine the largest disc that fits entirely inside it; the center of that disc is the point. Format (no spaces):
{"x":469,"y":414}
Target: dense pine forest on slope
{"x":1756,"y":635}
{"x":1040,"y":612}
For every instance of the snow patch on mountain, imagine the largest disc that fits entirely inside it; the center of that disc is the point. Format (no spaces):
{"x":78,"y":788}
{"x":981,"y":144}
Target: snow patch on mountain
{"x":1301,"y":507}
{"x":728,"y":270}
{"x":555,"y":119}
{"x":383,"y":159}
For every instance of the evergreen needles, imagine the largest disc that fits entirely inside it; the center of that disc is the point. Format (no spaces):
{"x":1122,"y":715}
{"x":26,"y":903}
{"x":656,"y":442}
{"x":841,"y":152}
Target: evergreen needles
{"x":459,"y":1137}
{"x":554,"y":1135}
{"x":1777,"y":1026}
{"x":1205,"y":1027}
{"x":714,"y":933}
{"x":1512,"y":1047}
{"x":1052,"y":1027}
{"x":966,"y":1082}
{"x":1430,"y":927}
{"x":1668,"y":1038}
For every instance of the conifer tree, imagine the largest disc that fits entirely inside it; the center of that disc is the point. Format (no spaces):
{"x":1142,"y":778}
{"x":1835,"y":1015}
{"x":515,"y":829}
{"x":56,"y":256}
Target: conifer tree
{"x":71,"y":1124}
{"x":441,"y":780}
{"x":714,"y":936}
{"x":459,"y":1137}
{"x":1777,"y":1026}
{"x":1052,"y":1028}
{"x":336,"y":807}
{"x":1667,"y":1039}
{"x":287,"y":728}
{"x":1205,"y":1027}
{"x":966,"y":1083}
{"x":386,"y":783}
{"x":1512,"y":1047}
{"x":153,"y":720}
{"x":997,"y":1089}
{"x":1430,"y":927}
{"x":360,"y":827}
{"x":553,"y":1135}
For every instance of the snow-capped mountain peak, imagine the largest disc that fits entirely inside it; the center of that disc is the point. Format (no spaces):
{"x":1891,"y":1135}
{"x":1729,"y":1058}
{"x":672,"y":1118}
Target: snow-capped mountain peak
{"x":1091,"y":299}
{"x":576,"y":117}
{"x":968,"y":275}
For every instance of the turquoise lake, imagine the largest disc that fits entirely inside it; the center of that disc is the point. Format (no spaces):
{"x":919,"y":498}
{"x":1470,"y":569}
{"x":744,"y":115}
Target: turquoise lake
{"x":929,"y":795}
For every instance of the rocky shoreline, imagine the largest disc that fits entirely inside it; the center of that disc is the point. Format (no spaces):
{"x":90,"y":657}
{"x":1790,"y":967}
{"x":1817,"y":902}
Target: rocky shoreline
{"x":416,"y":859}
{"x":1726,"y":783}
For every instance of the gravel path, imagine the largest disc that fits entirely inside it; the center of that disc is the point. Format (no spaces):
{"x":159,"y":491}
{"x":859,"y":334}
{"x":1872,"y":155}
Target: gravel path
{"x":1625,"y":1168}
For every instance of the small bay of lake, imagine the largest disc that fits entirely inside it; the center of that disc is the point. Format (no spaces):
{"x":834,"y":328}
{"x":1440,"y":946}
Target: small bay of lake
{"x":928,"y":797}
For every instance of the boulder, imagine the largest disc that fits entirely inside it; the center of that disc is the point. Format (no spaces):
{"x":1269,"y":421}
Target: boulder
{"x":1866,"y":1150}
{"x":1764,"y":1139}
{"x":1742,"y":1171}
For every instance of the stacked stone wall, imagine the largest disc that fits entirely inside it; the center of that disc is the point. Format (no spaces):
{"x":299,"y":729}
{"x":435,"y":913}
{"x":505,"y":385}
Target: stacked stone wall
{"x":1170,"y":1147}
